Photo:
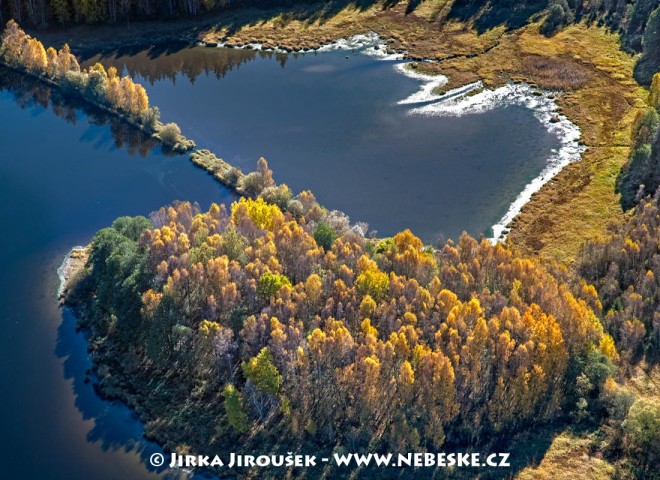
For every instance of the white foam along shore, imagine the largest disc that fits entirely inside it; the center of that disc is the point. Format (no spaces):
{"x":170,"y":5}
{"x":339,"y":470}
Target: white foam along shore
{"x":369,"y":43}
{"x":457,"y":103}
{"x":542,"y":103}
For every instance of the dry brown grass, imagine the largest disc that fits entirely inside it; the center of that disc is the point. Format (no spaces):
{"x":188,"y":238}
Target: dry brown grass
{"x":644,"y":381}
{"x":569,"y":458}
{"x":555,"y":73}
{"x":424,"y":34}
{"x":600,"y":96}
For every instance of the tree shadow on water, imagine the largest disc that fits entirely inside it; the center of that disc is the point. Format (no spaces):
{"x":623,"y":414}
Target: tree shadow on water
{"x":155,"y":63}
{"x":116,"y":427}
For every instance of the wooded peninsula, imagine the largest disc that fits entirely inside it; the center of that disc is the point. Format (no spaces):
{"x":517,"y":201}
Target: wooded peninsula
{"x":276,"y":324}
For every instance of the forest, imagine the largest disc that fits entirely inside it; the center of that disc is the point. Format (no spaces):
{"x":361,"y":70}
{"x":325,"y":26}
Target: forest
{"x":277,"y":324}
{"x":638,"y":21}
{"x":641,"y":175}
{"x":286,"y":327}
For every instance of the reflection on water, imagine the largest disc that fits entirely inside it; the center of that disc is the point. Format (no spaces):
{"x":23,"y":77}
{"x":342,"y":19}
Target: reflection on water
{"x":67,"y":171}
{"x":29,"y":92}
{"x":331,"y":123}
{"x":115,"y":426}
{"x":167,"y":62}
{"x":325,"y":122}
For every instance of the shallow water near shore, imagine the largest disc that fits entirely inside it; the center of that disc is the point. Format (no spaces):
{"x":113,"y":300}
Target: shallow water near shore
{"x":334,"y":122}
{"x":325,"y":122}
{"x":59,"y":183}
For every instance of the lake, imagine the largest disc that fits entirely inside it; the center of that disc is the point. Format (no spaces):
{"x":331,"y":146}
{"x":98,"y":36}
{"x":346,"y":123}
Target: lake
{"x":61,"y":181}
{"x":325,"y":122}
{"x":330,"y":122}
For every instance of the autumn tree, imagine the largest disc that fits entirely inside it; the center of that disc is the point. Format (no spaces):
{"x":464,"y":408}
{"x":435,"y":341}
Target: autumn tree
{"x":654,"y":92}
{"x":373,"y":343}
{"x":14,"y":40}
{"x":170,"y":134}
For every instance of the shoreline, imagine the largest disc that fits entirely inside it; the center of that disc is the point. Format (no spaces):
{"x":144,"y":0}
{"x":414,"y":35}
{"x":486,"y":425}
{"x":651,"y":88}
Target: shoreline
{"x":184,"y":145}
{"x":542,"y":103}
{"x":585,"y":62}
{"x":72,"y":264}
{"x":459,"y":102}
{"x":580,"y":201}
{"x":456,"y":102}
{"x":370,"y":44}
{"x":474,"y":98}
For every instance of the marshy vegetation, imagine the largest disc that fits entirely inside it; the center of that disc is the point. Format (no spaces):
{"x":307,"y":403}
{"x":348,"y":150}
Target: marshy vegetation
{"x":278,"y":320}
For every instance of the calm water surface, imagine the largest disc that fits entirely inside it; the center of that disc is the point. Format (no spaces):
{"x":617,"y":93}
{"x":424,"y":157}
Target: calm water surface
{"x":332,"y":124}
{"x":59,"y":183}
{"x":324,"y":122}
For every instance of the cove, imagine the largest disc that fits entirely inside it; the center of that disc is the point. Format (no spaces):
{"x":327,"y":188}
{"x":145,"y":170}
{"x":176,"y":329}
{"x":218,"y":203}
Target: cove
{"x":63,"y":177}
{"x":331,"y":122}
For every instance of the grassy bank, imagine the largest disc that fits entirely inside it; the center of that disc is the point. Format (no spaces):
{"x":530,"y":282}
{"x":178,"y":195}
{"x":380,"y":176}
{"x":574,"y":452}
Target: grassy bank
{"x":586,"y":63}
{"x":600,"y":95}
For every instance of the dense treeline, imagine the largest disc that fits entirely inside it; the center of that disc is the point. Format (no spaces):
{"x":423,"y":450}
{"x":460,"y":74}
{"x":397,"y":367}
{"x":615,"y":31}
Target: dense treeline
{"x":20,"y":50}
{"x":298,"y":327}
{"x":625,"y":268}
{"x":98,"y":86}
{"x":629,"y":17}
{"x":640,"y":177}
{"x":45,"y":12}
{"x":638,"y":21}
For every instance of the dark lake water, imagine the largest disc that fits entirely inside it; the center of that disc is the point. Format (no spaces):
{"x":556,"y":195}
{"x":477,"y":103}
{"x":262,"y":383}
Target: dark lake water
{"x":59,"y":183}
{"x":332,"y":124}
{"x":324,"y":122}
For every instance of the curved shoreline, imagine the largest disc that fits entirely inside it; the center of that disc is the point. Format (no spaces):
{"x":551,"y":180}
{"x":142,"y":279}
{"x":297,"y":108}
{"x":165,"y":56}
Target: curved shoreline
{"x":459,"y":102}
{"x":542,"y":103}
{"x":584,"y":61}
{"x":456,"y":103}
{"x":603,"y":104}
{"x":424,"y":101}
{"x":458,"y":96}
